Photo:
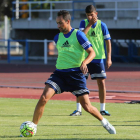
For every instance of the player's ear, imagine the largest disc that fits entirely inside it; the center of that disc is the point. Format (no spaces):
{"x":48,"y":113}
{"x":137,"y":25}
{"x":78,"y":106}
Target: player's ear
{"x":68,"y":21}
{"x":96,"y":13}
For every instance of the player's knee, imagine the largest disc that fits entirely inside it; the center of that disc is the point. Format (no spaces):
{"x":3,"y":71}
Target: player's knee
{"x":43,"y":100}
{"x":87,"y":108}
{"x":101,"y":84}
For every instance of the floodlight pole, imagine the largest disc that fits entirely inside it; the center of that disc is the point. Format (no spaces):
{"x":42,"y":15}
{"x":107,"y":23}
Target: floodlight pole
{"x":5,"y":29}
{"x":17,"y":9}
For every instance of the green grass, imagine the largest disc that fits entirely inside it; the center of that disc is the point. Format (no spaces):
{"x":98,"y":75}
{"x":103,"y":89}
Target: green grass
{"x":56,"y":124}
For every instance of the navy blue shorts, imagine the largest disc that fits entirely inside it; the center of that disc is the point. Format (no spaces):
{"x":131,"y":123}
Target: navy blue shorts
{"x":96,"y":71}
{"x":73,"y":81}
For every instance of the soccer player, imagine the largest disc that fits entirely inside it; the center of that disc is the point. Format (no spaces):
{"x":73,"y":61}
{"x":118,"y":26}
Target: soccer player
{"x":71,"y":66}
{"x":98,"y":34}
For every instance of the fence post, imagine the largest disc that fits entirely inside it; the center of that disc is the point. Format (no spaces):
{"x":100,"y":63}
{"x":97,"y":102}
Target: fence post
{"x":45,"y":51}
{"x":17,"y":9}
{"x":13,"y":14}
{"x":50,"y":12}
{"x":29,"y":18}
{"x":116,"y":11}
{"x":8,"y":50}
{"x":26,"y":51}
{"x":138,"y":17}
{"x":73,"y":10}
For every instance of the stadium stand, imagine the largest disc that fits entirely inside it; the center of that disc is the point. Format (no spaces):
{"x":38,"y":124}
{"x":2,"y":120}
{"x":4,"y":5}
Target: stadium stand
{"x":121,"y":16}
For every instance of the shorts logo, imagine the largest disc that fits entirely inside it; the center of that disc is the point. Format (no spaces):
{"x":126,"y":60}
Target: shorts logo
{"x":102,"y":71}
{"x":93,"y":34}
{"x":66,"y":44}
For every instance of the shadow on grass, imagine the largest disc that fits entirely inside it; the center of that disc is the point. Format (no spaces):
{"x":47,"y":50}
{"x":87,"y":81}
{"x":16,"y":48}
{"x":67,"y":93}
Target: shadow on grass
{"x":85,"y":125}
{"x":16,"y":137}
{"x":15,"y":116}
{"x":70,"y":125}
{"x":87,"y":139}
{"x":133,"y":121}
{"x":29,"y":115}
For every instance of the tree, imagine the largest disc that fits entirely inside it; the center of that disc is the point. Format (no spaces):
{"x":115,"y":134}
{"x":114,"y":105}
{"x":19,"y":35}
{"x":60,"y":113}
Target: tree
{"x":6,"y":8}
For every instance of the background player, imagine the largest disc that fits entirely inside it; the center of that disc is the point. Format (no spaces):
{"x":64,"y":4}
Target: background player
{"x":98,"y":34}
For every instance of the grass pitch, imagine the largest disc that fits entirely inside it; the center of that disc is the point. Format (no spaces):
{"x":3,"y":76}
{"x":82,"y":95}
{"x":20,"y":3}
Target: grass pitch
{"x":56,"y":124}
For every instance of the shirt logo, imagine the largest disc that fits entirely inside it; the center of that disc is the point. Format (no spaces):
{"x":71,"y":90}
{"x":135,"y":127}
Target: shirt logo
{"x":66,"y":44}
{"x":93,"y":34}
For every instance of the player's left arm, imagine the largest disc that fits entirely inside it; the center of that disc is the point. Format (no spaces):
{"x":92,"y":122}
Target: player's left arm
{"x":108,"y":57}
{"x":107,"y":39}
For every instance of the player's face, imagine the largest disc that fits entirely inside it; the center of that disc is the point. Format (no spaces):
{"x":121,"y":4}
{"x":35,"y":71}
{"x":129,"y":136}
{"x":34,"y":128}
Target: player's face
{"x":62,"y":24}
{"x":92,"y":15}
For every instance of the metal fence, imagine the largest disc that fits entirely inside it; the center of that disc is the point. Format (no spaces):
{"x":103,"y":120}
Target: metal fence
{"x":7,"y":47}
{"x":116,"y":7}
{"x":122,"y":50}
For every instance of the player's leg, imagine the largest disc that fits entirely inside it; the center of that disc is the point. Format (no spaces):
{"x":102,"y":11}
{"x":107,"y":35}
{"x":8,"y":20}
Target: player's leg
{"x":86,"y":104}
{"x":47,"y":94}
{"x":78,"y":110}
{"x":53,"y":86}
{"x":102,"y":96}
{"x":78,"y":105}
{"x":97,"y":72}
{"x":56,"y":84}
{"x":102,"y":91}
{"x":81,"y":91}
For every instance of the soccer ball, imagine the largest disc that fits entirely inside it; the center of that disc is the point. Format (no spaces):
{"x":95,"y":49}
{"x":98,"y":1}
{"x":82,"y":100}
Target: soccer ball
{"x":27,"y":129}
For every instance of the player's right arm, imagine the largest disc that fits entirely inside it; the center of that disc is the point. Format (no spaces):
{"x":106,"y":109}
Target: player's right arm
{"x":91,"y":55}
{"x":88,"y":48}
{"x":84,"y":29}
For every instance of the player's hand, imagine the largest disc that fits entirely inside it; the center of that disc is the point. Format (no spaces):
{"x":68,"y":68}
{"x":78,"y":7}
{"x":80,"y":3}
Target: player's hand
{"x":93,"y":20}
{"x":84,"y":68}
{"x":108,"y":63}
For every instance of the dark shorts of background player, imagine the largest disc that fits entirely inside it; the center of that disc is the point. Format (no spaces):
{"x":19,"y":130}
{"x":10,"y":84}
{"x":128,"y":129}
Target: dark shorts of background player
{"x":74,"y":82}
{"x":96,"y":71}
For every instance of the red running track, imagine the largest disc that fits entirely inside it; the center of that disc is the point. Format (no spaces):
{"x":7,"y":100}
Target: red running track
{"x":119,"y":80}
